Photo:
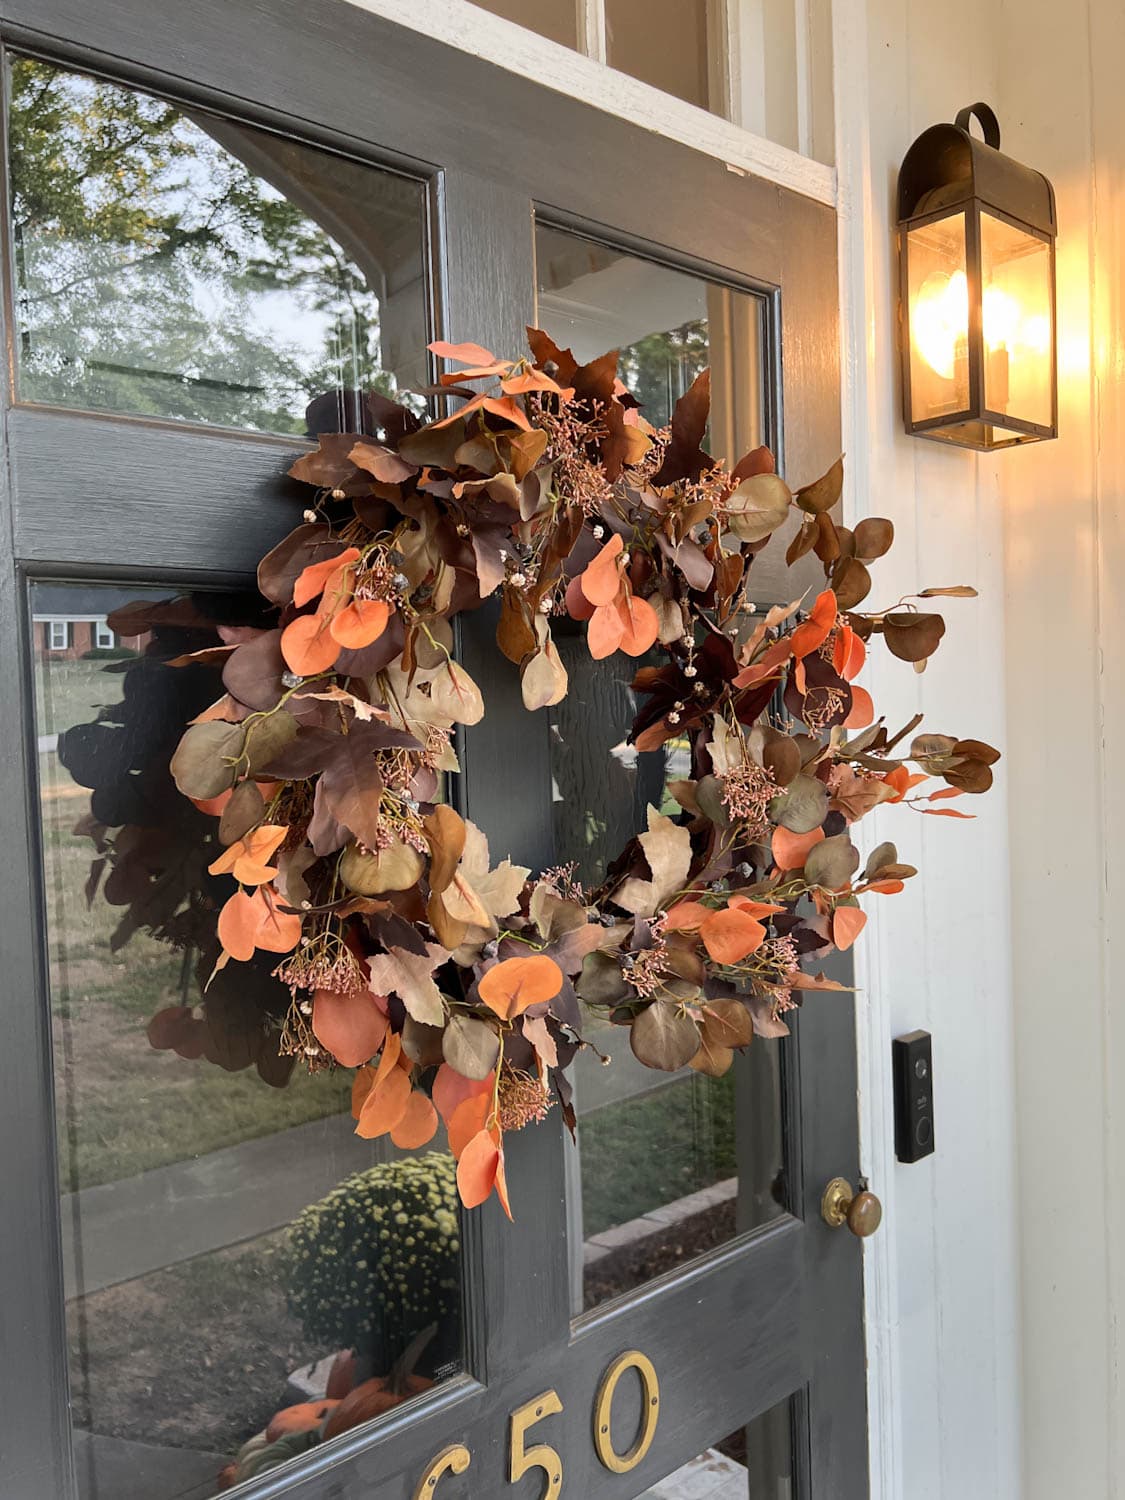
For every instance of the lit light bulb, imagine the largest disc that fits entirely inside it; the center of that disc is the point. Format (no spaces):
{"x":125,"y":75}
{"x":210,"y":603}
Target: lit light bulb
{"x":939,"y":320}
{"x":1000,"y":314}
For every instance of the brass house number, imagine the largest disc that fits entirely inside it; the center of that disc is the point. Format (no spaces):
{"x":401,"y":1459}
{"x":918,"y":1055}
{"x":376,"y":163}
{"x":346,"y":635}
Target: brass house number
{"x":524,"y":1457}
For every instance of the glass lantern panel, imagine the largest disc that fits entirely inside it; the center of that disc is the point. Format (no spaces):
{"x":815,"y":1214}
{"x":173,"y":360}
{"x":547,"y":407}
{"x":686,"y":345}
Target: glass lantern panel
{"x":1017,"y":321}
{"x":938,"y":290}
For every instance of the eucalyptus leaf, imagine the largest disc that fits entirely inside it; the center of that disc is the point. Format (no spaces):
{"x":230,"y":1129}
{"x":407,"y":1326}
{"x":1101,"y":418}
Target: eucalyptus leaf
{"x":832,"y":862}
{"x":803,"y":805}
{"x":823,"y":493}
{"x":203,"y":764}
{"x":662,"y":1037}
{"x":470,"y":1047}
{"x":758,"y":506}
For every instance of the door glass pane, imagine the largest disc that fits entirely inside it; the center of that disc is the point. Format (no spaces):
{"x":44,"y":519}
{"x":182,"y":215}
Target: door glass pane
{"x":754,"y":1463}
{"x":670,"y":1167}
{"x":174,"y":264}
{"x":665,"y":43}
{"x":556,"y":19}
{"x":227,"y":1238}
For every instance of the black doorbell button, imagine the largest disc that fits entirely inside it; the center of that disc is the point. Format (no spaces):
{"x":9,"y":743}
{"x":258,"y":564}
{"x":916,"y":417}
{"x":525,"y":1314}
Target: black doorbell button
{"x":914,"y":1095}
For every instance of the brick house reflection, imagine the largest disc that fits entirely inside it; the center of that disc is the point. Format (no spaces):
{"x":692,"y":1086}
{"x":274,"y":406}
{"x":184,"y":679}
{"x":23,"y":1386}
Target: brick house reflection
{"x":70,"y":622}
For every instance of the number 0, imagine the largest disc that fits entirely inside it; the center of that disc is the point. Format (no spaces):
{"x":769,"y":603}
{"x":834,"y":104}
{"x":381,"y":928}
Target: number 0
{"x":454,"y":1460}
{"x":603,"y":1412}
{"x":541,"y":1456}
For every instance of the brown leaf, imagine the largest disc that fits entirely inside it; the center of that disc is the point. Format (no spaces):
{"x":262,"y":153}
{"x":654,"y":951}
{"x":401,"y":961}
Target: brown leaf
{"x":954,"y":591}
{"x":728,"y":1023}
{"x":758,"y":506}
{"x":279,"y":570}
{"x":713,"y":1058}
{"x":445,"y":834}
{"x":851,"y":582}
{"x":824,"y":492}
{"x":253,"y":673}
{"x":912,"y":636}
{"x":243,"y":812}
{"x":832,"y":862}
{"x":386,"y":466}
{"x":515,"y":633}
{"x":684,"y":458}
{"x":662,"y":1037}
{"x":873,"y":537}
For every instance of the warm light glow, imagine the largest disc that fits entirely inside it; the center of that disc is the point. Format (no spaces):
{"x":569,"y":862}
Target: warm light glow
{"x":939,"y":320}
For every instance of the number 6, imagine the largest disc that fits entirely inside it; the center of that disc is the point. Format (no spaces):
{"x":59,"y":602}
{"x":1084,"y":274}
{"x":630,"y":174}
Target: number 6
{"x":541,"y":1456}
{"x":452,"y":1460}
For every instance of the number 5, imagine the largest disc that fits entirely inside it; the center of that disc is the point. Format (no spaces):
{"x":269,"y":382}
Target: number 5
{"x":541,"y":1456}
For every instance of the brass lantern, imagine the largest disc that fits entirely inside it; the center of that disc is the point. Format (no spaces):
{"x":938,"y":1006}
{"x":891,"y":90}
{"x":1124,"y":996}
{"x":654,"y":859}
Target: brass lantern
{"x":977,"y":260}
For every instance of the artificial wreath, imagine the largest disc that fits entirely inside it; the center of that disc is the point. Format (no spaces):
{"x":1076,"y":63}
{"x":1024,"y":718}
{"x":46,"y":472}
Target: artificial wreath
{"x":453,"y":984}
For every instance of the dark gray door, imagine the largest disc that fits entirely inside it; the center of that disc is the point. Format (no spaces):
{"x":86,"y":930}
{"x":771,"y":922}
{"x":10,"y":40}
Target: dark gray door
{"x":217,"y":211}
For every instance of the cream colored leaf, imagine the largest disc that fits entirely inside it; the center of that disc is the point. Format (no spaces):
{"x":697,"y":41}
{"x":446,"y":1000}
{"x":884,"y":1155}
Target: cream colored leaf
{"x":667,"y":848}
{"x":410,"y":977}
{"x":463,"y":904}
{"x":725,"y":749}
{"x":454,"y":693}
{"x":543,"y":678}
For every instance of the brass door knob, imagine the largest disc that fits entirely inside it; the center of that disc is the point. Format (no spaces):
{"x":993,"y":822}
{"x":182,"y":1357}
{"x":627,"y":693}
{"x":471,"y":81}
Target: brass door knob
{"x":860,"y":1211}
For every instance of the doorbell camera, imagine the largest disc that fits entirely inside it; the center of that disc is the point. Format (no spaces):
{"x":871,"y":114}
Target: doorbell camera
{"x":914,"y":1095}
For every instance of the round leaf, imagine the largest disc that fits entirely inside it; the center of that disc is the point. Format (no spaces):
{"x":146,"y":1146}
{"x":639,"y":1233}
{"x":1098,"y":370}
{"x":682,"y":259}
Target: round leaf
{"x":758,"y":506}
{"x":911,"y":636}
{"x":873,"y":537}
{"x":662,"y":1037}
{"x":832,"y":862}
{"x":470,"y":1046}
{"x":823,"y":493}
{"x":395,"y":868}
{"x":802,"y":807}
{"x":202,"y":766}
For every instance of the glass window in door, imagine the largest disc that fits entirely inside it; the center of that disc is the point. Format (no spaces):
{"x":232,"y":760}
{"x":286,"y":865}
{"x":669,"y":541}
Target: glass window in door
{"x":171,"y":263}
{"x":669,"y":1167}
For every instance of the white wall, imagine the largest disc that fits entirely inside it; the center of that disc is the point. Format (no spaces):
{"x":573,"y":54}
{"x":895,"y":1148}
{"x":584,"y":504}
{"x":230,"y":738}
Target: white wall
{"x":942,"y":1293}
{"x":1060,"y":91}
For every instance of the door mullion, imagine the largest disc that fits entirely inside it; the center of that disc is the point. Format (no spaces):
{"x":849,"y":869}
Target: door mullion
{"x":516,"y":1274}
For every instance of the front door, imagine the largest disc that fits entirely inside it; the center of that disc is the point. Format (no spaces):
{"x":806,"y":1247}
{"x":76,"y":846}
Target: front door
{"x":223,"y":224}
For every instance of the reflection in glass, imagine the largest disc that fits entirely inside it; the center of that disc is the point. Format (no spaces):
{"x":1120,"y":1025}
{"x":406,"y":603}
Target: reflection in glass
{"x":669,"y":1168}
{"x":669,"y":326}
{"x":665,"y":43}
{"x":754,"y":1463}
{"x":231,"y":1249}
{"x":173,"y":264}
{"x":556,"y":19}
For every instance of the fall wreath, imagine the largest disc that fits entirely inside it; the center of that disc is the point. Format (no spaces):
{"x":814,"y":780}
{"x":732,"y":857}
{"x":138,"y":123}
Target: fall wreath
{"x":454,"y":985}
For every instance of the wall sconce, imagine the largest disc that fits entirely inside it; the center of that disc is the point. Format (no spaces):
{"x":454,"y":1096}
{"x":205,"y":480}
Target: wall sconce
{"x":977,"y":260}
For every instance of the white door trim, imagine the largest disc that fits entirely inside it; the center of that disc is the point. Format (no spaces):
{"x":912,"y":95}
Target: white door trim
{"x":519,"y":50}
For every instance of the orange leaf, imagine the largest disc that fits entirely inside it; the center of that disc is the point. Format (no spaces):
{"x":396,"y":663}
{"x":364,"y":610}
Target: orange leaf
{"x":944,"y":812}
{"x":501,"y":1184}
{"x":389,"y":1057}
{"x":351,"y":1027}
{"x":643,"y":627}
{"x":731,"y":935}
{"x":475,"y":372}
{"x":468,"y":1119}
{"x":362,"y":1085}
{"x":862,"y":710}
{"x":601,"y":579}
{"x":384,"y":1106}
{"x":238,"y":926}
{"x":510,"y":987}
{"x":247,"y":857}
{"x":753,"y":908}
{"x":476,"y":1171}
{"x":213,"y":806}
{"x":885,"y":887}
{"x":813,"y":633}
{"x":278,"y":931}
{"x":902,"y":781}
{"x":247,"y":922}
{"x":686,"y":916}
{"x":311,"y":580}
{"x":790,"y":850}
{"x":451,"y":1089}
{"x":606,"y":631}
{"x":360,"y":623}
{"x":510,"y":410}
{"x":945,"y":794}
{"x":847,"y":924}
{"x":464,"y":354}
{"x":418,"y":1124}
{"x":307,"y":645}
